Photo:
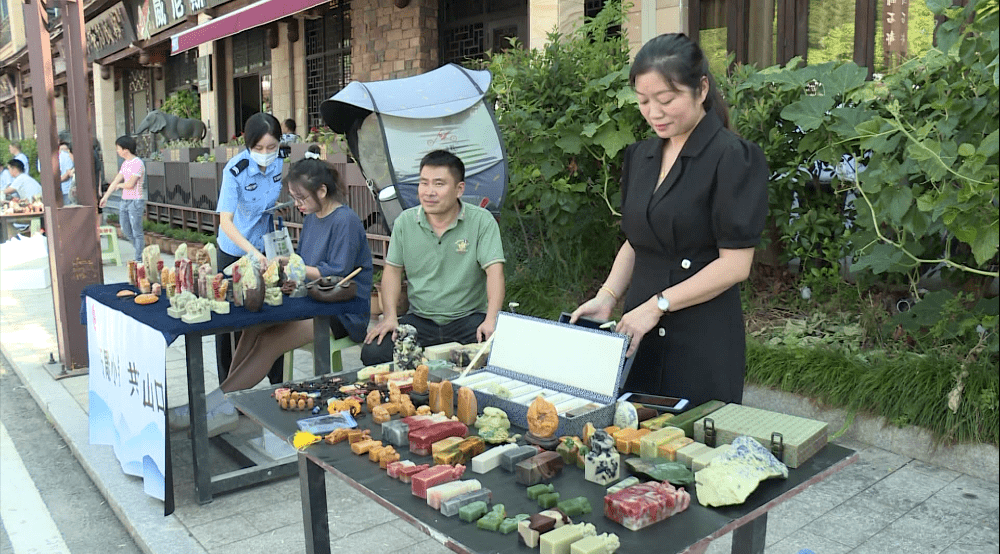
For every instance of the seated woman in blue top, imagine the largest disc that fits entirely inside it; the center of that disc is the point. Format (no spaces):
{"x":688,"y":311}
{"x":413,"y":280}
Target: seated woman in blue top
{"x":333,"y":242}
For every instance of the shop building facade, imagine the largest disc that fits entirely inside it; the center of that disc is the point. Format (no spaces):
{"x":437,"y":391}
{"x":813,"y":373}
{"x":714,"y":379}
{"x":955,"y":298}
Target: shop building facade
{"x":237,"y":57}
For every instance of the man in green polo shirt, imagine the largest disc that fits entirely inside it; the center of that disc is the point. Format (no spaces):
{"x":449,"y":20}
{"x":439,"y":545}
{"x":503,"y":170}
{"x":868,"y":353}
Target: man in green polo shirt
{"x":453,"y":258}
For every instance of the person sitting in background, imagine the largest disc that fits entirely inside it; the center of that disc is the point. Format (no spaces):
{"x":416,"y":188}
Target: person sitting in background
{"x":288,"y":135}
{"x":21,"y":184}
{"x":5,"y":178}
{"x":453,"y":258}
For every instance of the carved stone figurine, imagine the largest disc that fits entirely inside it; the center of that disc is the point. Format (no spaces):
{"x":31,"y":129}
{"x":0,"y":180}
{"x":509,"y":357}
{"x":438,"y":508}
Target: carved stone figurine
{"x":198,"y":310}
{"x":178,"y":304}
{"x":603,"y":463}
{"x":493,"y":425}
{"x":406,"y":353}
{"x":543,"y":420}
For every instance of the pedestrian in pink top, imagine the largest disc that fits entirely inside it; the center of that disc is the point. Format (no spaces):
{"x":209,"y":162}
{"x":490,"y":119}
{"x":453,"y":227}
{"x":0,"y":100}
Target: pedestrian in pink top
{"x":130,"y":180}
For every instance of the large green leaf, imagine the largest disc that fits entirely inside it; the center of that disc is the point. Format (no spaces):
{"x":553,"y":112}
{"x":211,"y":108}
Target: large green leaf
{"x":613,"y":139}
{"x":985,"y":247}
{"x":899,"y":203}
{"x":843,"y":79}
{"x":809,"y":112}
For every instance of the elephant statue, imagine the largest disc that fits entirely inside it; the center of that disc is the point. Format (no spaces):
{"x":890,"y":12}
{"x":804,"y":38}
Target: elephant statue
{"x":172,"y":127}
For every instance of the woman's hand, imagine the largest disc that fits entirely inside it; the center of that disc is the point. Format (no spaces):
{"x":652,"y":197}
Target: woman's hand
{"x":638,"y":322}
{"x":598,"y":307}
{"x":103,"y":202}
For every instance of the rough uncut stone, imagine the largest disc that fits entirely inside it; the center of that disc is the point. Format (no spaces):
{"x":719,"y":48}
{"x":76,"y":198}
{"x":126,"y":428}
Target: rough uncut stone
{"x":626,"y":416}
{"x":732,"y":476}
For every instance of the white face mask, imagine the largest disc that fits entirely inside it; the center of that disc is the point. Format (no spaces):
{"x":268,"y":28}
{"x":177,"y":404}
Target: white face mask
{"x":263,"y":159}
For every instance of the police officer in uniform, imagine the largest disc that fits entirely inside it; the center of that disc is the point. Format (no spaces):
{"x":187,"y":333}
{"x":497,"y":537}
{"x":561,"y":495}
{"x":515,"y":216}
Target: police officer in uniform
{"x":251,"y":183}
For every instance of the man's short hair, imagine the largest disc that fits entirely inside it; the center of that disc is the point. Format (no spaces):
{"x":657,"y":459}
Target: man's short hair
{"x":290,"y":123}
{"x":16,"y":145}
{"x":443,"y":158}
{"x":16,"y":164}
{"x":126,"y":142}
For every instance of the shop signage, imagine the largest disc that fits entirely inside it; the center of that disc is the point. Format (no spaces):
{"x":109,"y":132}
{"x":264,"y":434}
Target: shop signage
{"x":895,"y":24}
{"x":152,"y":16}
{"x":109,"y":32}
{"x":6,"y":88}
{"x":205,"y":73}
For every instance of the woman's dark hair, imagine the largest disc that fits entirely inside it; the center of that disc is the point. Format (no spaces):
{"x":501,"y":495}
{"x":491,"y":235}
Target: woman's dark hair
{"x":126,"y":142}
{"x":679,"y":60}
{"x":257,"y":126}
{"x":444,"y":158}
{"x":311,"y":174}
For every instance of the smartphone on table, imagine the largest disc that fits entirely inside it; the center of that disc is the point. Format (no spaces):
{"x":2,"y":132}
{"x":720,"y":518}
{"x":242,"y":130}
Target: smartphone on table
{"x":670,"y":404}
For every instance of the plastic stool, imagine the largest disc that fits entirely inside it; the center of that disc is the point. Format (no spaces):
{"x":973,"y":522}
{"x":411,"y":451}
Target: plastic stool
{"x":111,"y":252}
{"x":336,"y":361}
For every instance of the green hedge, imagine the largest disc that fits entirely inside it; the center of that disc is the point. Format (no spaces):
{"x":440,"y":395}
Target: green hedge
{"x":910,"y":389}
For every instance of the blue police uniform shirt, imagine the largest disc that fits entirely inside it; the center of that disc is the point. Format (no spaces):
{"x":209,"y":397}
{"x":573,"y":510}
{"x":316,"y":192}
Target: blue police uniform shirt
{"x":65,"y":164}
{"x":246,"y":193}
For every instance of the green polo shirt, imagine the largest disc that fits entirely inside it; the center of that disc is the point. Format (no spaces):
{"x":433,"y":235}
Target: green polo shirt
{"x":446,"y":274}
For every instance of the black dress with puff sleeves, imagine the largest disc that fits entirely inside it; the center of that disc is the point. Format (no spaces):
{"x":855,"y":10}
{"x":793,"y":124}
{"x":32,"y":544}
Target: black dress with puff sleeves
{"x":715,"y":196}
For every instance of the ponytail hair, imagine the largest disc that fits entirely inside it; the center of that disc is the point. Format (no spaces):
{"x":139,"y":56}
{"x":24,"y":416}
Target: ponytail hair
{"x":679,"y":60}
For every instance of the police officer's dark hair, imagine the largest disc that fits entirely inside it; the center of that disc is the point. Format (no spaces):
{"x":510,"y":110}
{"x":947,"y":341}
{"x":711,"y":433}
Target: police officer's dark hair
{"x":127,"y":143}
{"x":679,"y":60}
{"x":16,"y":164}
{"x":290,"y":123}
{"x":257,"y":126}
{"x":311,"y":174}
{"x":443,"y":158}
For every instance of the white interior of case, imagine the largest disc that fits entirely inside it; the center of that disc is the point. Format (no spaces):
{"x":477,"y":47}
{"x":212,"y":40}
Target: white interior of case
{"x":559,"y":353}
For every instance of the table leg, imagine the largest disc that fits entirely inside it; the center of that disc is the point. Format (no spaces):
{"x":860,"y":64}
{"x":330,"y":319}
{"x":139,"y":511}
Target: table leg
{"x":199,"y":418}
{"x":749,"y":537}
{"x":312,"y":486}
{"x":321,"y":345}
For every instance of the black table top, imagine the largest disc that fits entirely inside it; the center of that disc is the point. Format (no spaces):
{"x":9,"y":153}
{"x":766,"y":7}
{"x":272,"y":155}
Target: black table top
{"x":155,"y":315}
{"x":676,"y":534}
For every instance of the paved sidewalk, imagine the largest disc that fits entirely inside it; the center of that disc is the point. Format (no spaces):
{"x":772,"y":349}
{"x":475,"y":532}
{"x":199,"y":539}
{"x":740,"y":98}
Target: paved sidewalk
{"x":889,"y":502}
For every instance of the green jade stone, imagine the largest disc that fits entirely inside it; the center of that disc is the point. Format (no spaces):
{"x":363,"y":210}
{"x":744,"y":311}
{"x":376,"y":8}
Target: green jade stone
{"x":541,"y":488}
{"x":548,"y":500}
{"x":581,"y":458}
{"x":569,"y":449}
{"x":472,"y":512}
{"x":492,"y":520}
{"x":509,"y":525}
{"x":575,"y":506}
{"x":661,"y":469}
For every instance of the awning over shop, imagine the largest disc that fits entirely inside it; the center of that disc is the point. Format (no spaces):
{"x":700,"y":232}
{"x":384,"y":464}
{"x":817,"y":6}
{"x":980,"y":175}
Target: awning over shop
{"x":254,"y":15}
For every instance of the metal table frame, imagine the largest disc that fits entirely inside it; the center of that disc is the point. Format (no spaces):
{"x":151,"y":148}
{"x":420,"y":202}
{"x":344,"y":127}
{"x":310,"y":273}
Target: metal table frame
{"x":206,"y":485}
{"x":749,"y":526}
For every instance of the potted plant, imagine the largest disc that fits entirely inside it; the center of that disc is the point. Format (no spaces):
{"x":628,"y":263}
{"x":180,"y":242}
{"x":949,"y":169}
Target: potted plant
{"x":225,"y":152}
{"x":402,"y":304}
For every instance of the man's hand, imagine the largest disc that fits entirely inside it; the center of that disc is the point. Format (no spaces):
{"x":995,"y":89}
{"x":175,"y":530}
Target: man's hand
{"x":387,"y":326}
{"x":486,"y":328}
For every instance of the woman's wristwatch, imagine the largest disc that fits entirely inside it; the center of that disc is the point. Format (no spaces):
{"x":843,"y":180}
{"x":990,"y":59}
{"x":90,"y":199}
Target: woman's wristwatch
{"x":662,"y":302}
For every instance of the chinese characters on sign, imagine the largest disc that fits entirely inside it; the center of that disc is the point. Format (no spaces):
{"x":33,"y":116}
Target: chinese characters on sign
{"x":109,"y":32}
{"x":894,"y":30}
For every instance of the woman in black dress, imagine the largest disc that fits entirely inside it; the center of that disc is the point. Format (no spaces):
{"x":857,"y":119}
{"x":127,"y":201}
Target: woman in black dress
{"x":694,"y":200}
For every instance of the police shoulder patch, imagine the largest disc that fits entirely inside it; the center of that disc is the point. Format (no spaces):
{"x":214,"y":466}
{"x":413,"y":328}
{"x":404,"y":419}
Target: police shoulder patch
{"x":239,"y":166}
{"x":277,"y":178}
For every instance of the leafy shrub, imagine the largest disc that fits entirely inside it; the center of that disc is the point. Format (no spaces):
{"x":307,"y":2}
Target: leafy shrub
{"x":183,"y":103}
{"x":566,"y":113}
